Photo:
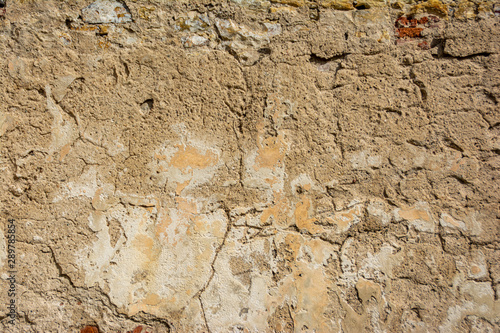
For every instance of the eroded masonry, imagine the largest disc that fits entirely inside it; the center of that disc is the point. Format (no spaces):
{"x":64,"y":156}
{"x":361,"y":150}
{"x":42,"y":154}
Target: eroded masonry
{"x":250,"y":166}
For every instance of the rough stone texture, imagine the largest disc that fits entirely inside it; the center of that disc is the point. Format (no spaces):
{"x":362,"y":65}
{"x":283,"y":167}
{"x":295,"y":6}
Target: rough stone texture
{"x":106,"y":11}
{"x":251,"y":166}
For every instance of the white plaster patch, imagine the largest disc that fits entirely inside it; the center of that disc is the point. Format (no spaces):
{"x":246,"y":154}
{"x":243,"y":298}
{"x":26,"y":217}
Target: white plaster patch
{"x":303,"y":181}
{"x":192,"y":41}
{"x":188,"y":163}
{"x":448,"y":221}
{"x":60,"y":85}
{"x":380,"y":262}
{"x":228,"y":300}
{"x":481,"y":303}
{"x":160,"y":256}
{"x":419,"y":216}
{"x":477,"y":266}
{"x":244,"y":41}
{"x":106,"y":11}
{"x":5,"y":122}
{"x":364,"y":159}
{"x":63,"y":132}
{"x":88,"y":185}
{"x":378,"y":208}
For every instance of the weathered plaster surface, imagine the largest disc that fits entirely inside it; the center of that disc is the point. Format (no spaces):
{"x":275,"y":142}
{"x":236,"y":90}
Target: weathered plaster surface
{"x":251,"y":165}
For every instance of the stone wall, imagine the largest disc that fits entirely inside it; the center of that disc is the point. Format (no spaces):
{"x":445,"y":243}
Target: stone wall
{"x":251,"y":166}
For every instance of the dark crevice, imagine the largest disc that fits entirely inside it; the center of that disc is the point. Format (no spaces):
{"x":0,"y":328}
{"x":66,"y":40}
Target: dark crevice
{"x":393,"y":110}
{"x":470,"y":56}
{"x":461,"y":180}
{"x":147,"y":105}
{"x":490,"y":97}
{"x":68,"y":23}
{"x":314,"y":13}
{"x":420,"y":85}
{"x":439,"y":43}
{"x":149,"y":102}
{"x":127,"y":70}
{"x":415,"y":143}
{"x":423,"y":90}
{"x":204,"y":315}
{"x":217,"y":251}
{"x":362,"y":7}
{"x":449,"y":143}
{"x":265,"y":50}
{"x":315,"y":59}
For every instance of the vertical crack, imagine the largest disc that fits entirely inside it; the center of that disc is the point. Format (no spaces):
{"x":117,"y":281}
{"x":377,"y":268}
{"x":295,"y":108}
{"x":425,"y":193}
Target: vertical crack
{"x":217,"y":251}
{"x":203,"y":313}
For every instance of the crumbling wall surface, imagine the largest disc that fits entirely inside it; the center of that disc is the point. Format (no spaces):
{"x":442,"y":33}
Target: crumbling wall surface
{"x":251,"y":166}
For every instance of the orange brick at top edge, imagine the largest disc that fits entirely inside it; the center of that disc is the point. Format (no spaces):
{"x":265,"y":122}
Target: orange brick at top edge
{"x":409,"y":32}
{"x":138,"y":329}
{"x":424,"y":45}
{"x":89,"y":329}
{"x":401,"y":22}
{"x":423,"y":20}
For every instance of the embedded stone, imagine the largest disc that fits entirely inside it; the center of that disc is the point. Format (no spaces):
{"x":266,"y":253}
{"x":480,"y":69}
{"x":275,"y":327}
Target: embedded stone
{"x":106,"y":11}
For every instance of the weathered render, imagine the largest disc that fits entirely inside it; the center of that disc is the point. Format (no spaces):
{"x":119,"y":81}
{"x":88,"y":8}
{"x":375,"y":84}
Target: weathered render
{"x":251,"y":166}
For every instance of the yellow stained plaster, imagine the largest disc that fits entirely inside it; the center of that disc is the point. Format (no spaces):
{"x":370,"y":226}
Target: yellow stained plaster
{"x":413,"y":213}
{"x":293,"y":244}
{"x":270,"y":152}
{"x":448,"y":221}
{"x":181,"y":186}
{"x":188,"y":157}
{"x":164,"y":222}
{"x":346,"y":219}
{"x":64,"y":151}
{"x":302,"y":219}
{"x":306,"y":285}
{"x":312,"y":300}
{"x":152,"y":304}
{"x":187,"y":206}
{"x":201,"y":226}
{"x":419,"y":216}
{"x":368,"y":289}
{"x":278,"y":211}
{"x":146,"y":245}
